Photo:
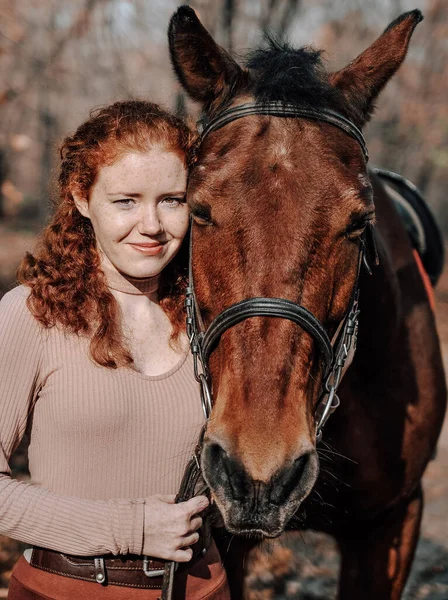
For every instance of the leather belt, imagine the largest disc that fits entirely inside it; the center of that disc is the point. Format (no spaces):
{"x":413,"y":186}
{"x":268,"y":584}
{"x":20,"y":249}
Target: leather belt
{"x":131,"y":570}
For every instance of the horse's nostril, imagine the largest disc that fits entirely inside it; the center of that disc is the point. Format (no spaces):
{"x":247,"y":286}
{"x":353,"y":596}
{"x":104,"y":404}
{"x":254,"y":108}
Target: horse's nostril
{"x":217,"y":452}
{"x":226,"y":471}
{"x":288,"y":480}
{"x":300,"y":463}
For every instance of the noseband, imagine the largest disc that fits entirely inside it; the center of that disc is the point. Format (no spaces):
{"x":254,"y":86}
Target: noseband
{"x":334,"y":353}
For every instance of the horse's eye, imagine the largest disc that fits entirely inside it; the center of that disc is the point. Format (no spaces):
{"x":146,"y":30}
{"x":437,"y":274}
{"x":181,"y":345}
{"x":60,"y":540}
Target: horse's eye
{"x":202,"y":214}
{"x":357,"y":226}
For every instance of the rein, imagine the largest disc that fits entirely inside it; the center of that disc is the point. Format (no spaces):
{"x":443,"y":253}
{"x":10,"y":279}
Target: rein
{"x":334,"y":353}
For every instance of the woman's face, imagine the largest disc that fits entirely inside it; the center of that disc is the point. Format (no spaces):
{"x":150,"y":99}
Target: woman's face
{"x":138,"y":211}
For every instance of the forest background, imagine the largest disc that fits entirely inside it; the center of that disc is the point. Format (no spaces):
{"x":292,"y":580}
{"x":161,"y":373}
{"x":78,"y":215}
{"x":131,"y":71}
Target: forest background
{"x":61,"y":58}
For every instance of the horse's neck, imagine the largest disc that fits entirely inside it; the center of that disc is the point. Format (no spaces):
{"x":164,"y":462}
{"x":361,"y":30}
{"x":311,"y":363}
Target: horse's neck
{"x":380,"y":305}
{"x":382,"y":301}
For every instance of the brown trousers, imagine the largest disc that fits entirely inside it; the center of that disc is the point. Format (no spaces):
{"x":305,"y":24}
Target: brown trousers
{"x":206,"y":580}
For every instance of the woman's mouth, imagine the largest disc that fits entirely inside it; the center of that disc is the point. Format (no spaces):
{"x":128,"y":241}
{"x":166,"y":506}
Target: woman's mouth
{"x":149,"y":248}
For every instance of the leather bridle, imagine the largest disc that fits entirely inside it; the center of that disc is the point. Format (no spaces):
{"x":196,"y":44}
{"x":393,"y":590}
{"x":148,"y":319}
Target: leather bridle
{"x":334,"y":353}
{"x":282,"y":109}
{"x":203,"y":340}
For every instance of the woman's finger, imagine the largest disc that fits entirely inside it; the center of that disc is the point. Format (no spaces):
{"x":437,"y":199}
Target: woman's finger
{"x":189,"y":540}
{"x":195,"y":505}
{"x":195,"y":523}
{"x":182,"y":555}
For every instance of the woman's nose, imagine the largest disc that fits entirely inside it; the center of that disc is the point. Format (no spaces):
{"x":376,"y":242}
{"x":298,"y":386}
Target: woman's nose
{"x":150,"y":222}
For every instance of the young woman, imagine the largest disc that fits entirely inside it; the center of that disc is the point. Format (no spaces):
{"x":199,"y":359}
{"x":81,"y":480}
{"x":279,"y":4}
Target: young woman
{"x":95,"y":368}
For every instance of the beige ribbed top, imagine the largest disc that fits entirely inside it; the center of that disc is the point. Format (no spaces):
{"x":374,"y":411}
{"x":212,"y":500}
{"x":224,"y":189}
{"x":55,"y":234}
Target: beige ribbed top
{"x":101,"y":440}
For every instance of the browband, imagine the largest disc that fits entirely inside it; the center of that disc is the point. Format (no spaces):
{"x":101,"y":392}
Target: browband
{"x":283,"y":109}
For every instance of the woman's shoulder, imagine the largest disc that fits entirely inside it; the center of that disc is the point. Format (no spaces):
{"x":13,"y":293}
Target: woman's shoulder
{"x":17,"y":296}
{"x":14,"y":308}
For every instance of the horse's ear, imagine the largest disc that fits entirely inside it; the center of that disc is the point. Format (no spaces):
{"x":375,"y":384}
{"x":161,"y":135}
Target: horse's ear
{"x":204,"y":69}
{"x":363,"y":79}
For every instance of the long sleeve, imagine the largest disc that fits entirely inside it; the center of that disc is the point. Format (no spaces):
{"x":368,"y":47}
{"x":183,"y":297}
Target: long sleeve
{"x":29,"y":512}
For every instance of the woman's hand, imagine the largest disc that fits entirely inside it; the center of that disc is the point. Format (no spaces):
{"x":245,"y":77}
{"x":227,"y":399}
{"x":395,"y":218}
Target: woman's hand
{"x":171,"y":528}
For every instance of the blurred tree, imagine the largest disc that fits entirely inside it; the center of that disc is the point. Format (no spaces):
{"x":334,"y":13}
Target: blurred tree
{"x":3,"y":174}
{"x":409,"y":132}
{"x":278,"y":16}
{"x":60,"y":58}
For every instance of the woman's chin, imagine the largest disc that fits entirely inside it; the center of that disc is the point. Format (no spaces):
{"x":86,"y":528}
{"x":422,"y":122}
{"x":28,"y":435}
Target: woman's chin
{"x":142,"y":269}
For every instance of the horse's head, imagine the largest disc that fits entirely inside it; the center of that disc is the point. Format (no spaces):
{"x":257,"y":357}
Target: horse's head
{"x":279,"y":206}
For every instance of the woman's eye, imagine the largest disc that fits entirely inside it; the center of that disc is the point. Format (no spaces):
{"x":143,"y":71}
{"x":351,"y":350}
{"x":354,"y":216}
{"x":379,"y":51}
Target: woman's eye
{"x":124,"y":201}
{"x":174,"y":201}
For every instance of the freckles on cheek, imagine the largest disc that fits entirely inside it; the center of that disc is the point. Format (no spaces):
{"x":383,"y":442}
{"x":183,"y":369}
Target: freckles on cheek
{"x":178,"y":225}
{"x":117,"y":229}
{"x":185,"y":225}
{"x":186,"y":221}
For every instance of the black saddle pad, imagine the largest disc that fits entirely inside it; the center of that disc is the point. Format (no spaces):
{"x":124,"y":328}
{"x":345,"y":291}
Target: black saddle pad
{"x":422,"y":228}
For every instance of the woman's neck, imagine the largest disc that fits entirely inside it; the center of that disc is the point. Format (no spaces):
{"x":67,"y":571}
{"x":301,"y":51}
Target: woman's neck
{"x":135,"y":286}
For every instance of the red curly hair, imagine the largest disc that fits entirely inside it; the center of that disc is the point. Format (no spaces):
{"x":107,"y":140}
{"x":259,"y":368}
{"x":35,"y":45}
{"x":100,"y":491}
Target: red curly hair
{"x":68,"y":287}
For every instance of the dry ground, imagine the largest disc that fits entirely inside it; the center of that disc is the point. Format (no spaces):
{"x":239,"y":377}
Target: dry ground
{"x":304,"y":568}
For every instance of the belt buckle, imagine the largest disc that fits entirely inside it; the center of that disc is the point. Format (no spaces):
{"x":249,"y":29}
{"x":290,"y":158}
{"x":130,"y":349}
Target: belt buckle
{"x":154,"y":572}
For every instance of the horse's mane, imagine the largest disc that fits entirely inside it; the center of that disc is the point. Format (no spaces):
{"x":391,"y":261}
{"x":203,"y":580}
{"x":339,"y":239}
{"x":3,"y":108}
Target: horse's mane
{"x":283,"y":73}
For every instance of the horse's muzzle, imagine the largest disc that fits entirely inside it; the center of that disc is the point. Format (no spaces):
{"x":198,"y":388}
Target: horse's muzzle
{"x":254,"y":507}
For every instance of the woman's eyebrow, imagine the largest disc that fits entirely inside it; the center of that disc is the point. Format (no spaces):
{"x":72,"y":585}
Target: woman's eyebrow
{"x":139,"y":195}
{"x":127,"y":194}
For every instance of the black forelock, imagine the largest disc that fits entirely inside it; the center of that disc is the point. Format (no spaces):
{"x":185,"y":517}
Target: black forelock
{"x":280,"y":72}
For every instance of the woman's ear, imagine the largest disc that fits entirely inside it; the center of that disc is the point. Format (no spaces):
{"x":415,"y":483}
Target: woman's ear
{"x":81,"y":204}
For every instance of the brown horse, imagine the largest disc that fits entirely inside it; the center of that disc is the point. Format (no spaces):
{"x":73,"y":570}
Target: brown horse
{"x":281,"y":206}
